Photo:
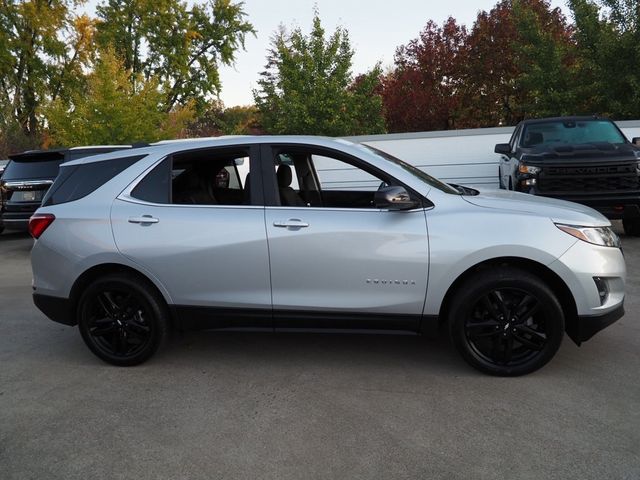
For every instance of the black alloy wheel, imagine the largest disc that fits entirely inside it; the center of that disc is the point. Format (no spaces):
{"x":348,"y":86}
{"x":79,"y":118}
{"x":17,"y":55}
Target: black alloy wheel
{"x":122,"y":320}
{"x":506,"y":322}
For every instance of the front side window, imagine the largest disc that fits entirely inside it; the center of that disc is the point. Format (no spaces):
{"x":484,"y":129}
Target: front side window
{"x":209,"y":177}
{"x":318,"y":179}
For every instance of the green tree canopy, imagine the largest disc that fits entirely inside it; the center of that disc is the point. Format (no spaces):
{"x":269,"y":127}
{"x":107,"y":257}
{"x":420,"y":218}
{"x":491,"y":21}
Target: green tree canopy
{"x":43,"y":49}
{"x":608,"y":42}
{"x":112,"y":110}
{"x":180,"y":44}
{"x":307,"y":86}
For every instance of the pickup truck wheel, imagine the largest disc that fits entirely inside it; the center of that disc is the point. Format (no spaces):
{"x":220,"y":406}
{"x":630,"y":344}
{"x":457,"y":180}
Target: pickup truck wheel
{"x":506,"y":322}
{"x":631,"y":227}
{"x":122,"y":320}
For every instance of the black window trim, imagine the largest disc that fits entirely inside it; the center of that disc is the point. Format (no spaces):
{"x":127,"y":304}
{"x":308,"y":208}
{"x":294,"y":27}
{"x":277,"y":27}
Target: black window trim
{"x":257,"y":191}
{"x":270,"y":181}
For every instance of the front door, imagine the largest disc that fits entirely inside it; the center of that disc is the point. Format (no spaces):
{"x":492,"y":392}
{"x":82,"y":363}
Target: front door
{"x":337,"y":260}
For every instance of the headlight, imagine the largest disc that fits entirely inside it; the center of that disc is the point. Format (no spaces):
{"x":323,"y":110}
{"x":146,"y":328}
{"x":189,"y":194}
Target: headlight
{"x":522,"y":168}
{"x":597,"y":235}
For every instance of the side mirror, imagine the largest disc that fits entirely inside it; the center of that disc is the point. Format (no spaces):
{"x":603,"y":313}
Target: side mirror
{"x":503,"y":148}
{"x":394,"y":198}
{"x":636,"y":141}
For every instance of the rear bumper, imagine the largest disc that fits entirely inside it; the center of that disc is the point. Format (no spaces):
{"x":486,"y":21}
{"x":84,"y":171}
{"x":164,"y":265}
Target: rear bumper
{"x":15,"y":224}
{"x":16,"y":216}
{"x":589,"y":325}
{"x":57,"y":309}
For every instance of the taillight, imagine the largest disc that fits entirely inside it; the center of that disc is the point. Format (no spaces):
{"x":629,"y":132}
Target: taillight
{"x":39,"y":222}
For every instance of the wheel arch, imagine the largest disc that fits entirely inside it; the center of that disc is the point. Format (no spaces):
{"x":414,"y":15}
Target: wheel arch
{"x":96,"y":271}
{"x":557,"y":285}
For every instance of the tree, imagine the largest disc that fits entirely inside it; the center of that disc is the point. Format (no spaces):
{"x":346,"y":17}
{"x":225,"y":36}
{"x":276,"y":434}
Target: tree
{"x":112,"y":110}
{"x":519,"y":63}
{"x":546,"y":56}
{"x":423,"y":91}
{"x":180,"y":45}
{"x":216,"y":120}
{"x":307,"y":86}
{"x":607,"y":36}
{"x":44,"y":48}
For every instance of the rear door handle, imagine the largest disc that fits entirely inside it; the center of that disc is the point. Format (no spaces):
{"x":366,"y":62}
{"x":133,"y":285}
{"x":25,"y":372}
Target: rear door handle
{"x":291,"y":223}
{"x":144,"y":219}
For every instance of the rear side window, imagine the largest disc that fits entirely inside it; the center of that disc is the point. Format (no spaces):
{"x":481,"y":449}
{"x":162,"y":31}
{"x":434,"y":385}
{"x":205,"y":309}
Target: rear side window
{"x":32,"y":170}
{"x":77,"y":181}
{"x":200,"y":177}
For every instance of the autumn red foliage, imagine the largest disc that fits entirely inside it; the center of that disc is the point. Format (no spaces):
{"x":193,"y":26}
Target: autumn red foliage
{"x":450,"y":77}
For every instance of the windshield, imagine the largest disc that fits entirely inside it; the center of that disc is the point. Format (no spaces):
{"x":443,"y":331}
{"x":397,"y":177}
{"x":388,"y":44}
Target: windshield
{"x":570,"y":133}
{"x":416,"y":172}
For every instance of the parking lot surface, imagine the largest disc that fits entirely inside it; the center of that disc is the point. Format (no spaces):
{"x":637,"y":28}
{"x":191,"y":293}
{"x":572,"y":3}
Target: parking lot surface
{"x":216,"y":405}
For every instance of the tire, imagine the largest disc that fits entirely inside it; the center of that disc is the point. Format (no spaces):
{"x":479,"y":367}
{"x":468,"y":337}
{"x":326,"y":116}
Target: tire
{"x":510,"y":184}
{"x":631,"y":227}
{"x":122,"y":319}
{"x":505,"y":321}
{"x":500,"y":182}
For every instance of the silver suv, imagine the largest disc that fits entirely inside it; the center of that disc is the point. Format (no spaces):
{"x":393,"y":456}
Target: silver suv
{"x":304,"y":232}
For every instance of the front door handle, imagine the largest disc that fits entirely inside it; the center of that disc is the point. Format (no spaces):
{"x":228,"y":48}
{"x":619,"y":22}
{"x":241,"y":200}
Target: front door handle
{"x":143,"y":220}
{"x":291,"y":223}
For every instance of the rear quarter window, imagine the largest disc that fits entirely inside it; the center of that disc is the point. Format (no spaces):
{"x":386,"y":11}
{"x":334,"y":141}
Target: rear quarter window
{"x":78,"y":181}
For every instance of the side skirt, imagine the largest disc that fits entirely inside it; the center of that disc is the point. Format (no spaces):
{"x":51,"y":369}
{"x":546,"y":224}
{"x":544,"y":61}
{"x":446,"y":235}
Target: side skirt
{"x":209,"y":318}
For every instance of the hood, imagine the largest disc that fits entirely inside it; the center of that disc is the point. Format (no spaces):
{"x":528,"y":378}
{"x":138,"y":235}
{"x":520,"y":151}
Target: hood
{"x":560,"y":211}
{"x":588,"y":152}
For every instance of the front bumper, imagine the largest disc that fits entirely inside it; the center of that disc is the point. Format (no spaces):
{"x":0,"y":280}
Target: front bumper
{"x":588,"y":325}
{"x":579,"y":267}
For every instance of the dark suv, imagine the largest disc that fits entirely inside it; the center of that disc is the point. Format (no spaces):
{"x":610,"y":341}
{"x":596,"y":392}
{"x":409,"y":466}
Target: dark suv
{"x":586,"y":160}
{"x":28,"y":176}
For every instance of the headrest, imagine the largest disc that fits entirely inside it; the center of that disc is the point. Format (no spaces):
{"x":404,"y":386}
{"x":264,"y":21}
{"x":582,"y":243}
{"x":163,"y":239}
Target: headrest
{"x":284,"y":176}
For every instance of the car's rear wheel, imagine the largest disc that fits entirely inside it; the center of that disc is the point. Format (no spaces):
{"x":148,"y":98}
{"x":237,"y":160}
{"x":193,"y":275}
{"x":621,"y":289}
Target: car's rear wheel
{"x":506,"y":321}
{"x":631,"y":227}
{"x":122,"y":319}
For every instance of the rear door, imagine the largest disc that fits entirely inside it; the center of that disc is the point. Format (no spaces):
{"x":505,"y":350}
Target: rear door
{"x":196,"y":222}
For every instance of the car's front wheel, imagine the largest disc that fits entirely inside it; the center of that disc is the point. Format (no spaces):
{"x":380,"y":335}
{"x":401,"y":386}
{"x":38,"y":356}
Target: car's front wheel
{"x":506,"y":321}
{"x":122,"y":319}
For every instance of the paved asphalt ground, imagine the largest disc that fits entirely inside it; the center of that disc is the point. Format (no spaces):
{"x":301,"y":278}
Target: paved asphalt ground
{"x":260,"y":406}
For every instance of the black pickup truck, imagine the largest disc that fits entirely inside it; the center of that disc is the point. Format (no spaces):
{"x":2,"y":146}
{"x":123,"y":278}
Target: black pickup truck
{"x":586,"y":160}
